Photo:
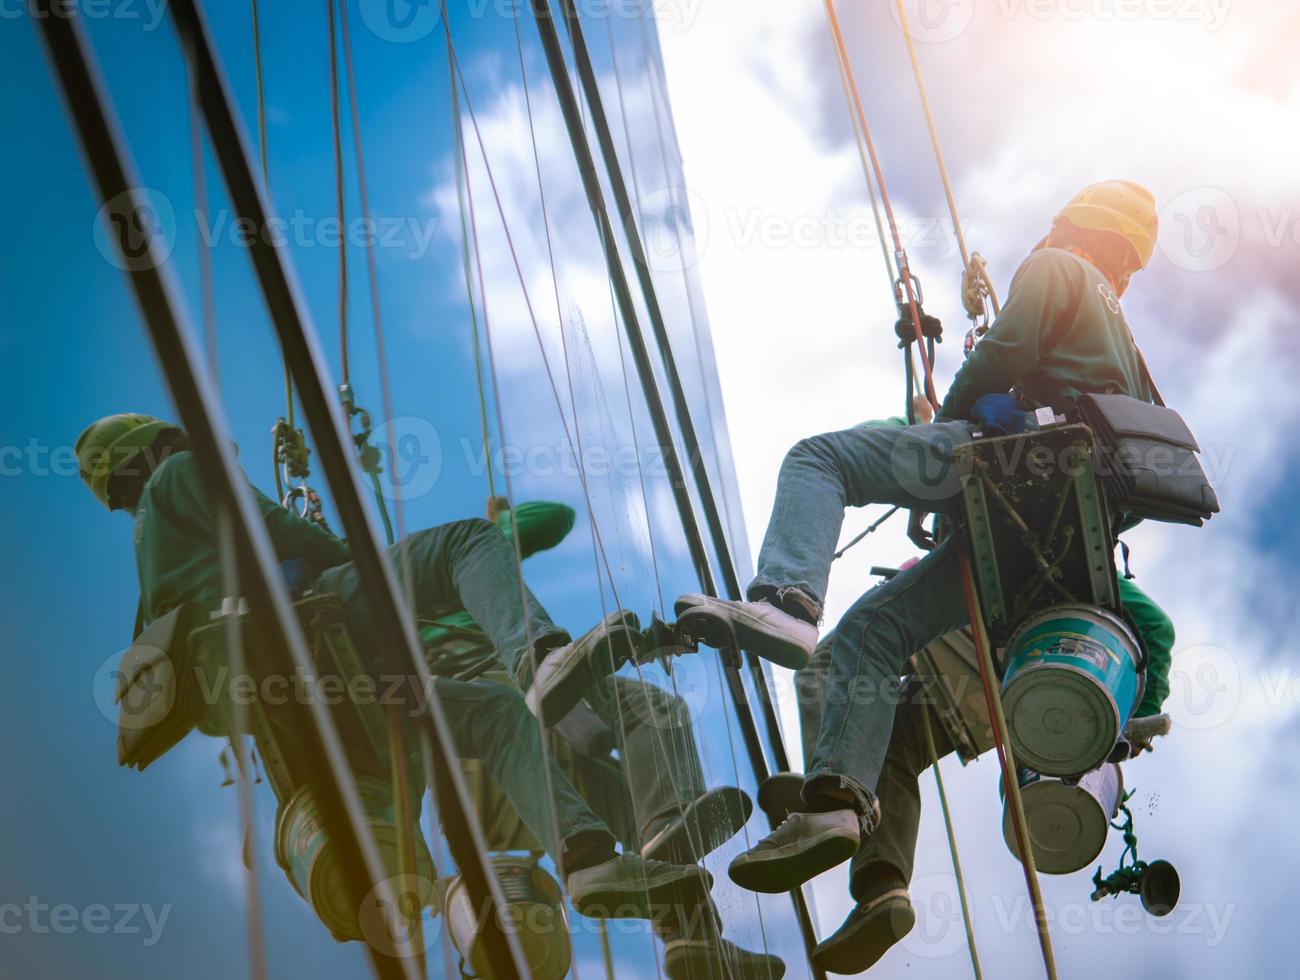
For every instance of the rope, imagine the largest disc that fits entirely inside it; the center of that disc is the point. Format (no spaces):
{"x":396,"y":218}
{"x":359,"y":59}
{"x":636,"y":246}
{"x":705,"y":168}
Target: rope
{"x":866,"y":173}
{"x":264,"y":158}
{"x":975,"y":283}
{"x":1010,"y":783}
{"x":871,"y":529}
{"x":470,"y":221}
{"x":229,"y":568}
{"x":952,"y":846}
{"x":906,"y":279}
{"x":467,"y":265}
{"x":337,"y":121}
{"x":599,"y":551}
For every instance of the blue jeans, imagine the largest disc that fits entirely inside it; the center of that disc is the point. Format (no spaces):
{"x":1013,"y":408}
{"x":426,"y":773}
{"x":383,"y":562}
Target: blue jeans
{"x":470,"y":564}
{"x":490,"y":722}
{"x":908,"y":466}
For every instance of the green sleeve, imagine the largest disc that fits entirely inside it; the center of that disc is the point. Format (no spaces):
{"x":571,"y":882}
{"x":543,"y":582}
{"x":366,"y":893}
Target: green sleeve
{"x":295,"y":537}
{"x":1157,"y":631}
{"x":1040,"y":298}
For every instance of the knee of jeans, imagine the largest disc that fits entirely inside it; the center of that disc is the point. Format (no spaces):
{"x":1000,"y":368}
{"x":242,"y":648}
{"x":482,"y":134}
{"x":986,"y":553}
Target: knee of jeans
{"x":476,"y":526}
{"x":500,"y":704}
{"x":814,"y":447}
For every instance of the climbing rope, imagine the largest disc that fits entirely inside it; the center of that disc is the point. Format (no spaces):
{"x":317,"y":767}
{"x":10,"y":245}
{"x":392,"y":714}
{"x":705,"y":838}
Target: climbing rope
{"x":977,"y":289}
{"x":229,"y":568}
{"x":952,"y":845}
{"x":906,"y":285}
{"x":290,"y":455}
{"x":1010,"y":781}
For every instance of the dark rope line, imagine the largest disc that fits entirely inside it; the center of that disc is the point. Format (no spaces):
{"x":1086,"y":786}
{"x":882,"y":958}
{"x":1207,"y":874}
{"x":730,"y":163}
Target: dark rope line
{"x":339,"y":195}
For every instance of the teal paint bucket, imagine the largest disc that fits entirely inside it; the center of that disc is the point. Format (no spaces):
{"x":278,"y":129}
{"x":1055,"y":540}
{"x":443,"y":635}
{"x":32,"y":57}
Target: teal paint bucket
{"x":1070,"y":685}
{"x":1067,"y":819}
{"x":311,"y":859}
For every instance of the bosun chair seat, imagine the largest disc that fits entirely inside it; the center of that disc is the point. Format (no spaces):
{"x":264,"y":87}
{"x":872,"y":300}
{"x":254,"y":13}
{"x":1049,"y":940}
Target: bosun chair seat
{"x":1036,"y":525}
{"x":353,"y":693}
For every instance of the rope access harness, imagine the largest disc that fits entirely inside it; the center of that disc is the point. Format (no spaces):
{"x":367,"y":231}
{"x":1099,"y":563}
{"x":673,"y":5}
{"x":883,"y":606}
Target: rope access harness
{"x":978,"y":293}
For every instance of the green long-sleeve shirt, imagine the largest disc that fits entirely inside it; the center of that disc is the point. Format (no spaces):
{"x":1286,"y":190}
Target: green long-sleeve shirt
{"x":176,"y":539}
{"x":1061,"y":334}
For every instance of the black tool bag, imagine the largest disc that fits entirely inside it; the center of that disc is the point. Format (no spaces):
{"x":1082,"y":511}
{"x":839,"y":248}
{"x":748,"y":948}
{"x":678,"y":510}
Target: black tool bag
{"x":157,"y":690}
{"x":1149,"y":466}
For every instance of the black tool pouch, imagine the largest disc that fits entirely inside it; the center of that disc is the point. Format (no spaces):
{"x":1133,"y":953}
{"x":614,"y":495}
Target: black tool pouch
{"x":1149,"y":468}
{"x":157,"y":690}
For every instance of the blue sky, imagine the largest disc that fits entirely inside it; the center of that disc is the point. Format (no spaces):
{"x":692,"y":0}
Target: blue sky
{"x":78,"y":829}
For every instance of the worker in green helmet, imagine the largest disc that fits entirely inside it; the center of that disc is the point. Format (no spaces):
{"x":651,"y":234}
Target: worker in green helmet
{"x":1061,"y":334}
{"x":143,"y":466}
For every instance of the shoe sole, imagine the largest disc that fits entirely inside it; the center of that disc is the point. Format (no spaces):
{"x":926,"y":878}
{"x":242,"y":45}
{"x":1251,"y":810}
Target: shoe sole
{"x":863,"y":948}
{"x":708,"y":823}
{"x":712,"y":630}
{"x":704,"y":961}
{"x":587,"y":670}
{"x":786,"y":872}
{"x":683,"y":890}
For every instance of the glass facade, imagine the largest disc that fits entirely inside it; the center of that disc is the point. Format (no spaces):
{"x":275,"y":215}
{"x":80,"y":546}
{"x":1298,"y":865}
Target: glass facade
{"x":505,"y":347}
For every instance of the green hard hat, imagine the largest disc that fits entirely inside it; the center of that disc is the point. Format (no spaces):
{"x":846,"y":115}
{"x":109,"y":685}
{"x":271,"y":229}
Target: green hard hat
{"x":541,"y":525}
{"x":111,"y":443}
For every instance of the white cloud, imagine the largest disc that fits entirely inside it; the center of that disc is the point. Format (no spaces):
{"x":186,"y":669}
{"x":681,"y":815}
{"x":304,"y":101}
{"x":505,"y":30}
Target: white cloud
{"x":1032,"y":109}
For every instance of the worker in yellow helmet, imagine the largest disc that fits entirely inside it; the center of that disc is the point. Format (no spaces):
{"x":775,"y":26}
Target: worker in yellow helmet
{"x":1061,"y":334}
{"x":143,"y":465}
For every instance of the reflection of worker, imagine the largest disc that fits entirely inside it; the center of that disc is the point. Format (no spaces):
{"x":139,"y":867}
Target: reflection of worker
{"x":1061,"y":333}
{"x":665,"y":811}
{"x":882,"y":867}
{"x":142,"y":465}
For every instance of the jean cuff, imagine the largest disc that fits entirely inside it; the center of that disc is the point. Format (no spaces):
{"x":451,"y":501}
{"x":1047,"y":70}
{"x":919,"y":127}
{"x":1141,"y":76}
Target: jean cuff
{"x":864,"y":803}
{"x":762,"y":589}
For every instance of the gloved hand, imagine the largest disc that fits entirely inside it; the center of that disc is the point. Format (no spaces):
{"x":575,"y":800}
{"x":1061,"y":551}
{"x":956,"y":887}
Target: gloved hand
{"x":998,"y":415}
{"x":1140,"y":733}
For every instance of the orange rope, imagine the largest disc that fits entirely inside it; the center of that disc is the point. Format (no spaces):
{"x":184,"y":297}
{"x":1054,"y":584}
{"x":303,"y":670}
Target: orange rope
{"x":1010,"y":782}
{"x":900,"y":255}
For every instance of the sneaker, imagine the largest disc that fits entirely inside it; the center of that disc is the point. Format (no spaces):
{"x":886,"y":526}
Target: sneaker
{"x":868,"y":933}
{"x":718,"y":959}
{"x":568,"y":672}
{"x":706,"y":824}
{"x":758,"y":627}
{"x":633,"y":887}
{"x":804,"y":846}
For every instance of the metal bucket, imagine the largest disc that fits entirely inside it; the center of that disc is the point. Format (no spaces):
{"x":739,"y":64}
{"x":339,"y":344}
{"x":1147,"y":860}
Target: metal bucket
{"x":1071,"y":683}
{"x":1067,"y":820}
{"x":311,"y":860}
{"x":534,"y":913}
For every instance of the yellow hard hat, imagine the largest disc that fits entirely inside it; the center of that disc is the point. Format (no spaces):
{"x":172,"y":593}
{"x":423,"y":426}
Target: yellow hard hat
{"x":1119,"y":206}
{"x":112,"y":442}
